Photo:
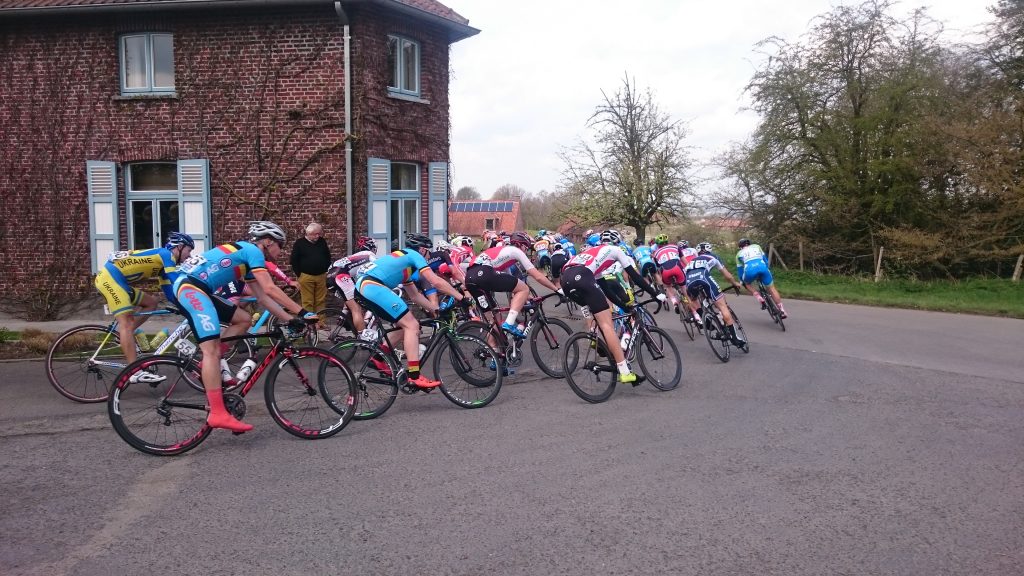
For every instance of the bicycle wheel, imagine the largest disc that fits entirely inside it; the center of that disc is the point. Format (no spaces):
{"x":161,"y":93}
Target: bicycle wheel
{"x":589,"y":367}
{"x":83,"y":362}
{"x":237,"y":353}
{"x":463,"y":363}
{"x":335,"y":325}
{"x":659,"y":359}
{"x":773,"y":309}
{"x":718,"y":338}
{"x":739,"y":330}
{"x":296,"y":389}
{"x":376,"y":376}
{"x":686,"y":317}
{"x":163,"y":417}
{"x":488,"y":333}
{"x":547,"y":339}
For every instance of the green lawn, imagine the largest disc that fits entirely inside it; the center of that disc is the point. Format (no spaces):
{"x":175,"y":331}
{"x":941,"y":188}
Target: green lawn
{"x":996,"y":297}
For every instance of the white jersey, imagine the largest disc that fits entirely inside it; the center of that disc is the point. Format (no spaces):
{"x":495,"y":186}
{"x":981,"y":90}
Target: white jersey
{"x":601,"y":259}
{"x":502,"y":258}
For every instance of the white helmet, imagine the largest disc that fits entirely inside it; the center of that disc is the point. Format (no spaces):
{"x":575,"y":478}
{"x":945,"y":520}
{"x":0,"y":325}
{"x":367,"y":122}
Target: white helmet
{"x":266,"y":229}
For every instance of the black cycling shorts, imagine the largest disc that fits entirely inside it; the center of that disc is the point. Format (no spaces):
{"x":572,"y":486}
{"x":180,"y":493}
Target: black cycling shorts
{"x":481,"y":280}
{"x":614,"y":291}
{"x":557,"y":261}
{"x":580,"y":286}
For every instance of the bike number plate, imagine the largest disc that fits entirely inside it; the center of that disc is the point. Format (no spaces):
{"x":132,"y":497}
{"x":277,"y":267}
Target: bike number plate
{"x":185,"y":347}
{"x":482,"y":300}
{"x":585,"y":310}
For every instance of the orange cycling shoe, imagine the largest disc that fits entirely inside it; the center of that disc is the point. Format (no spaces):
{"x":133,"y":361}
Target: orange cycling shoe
{"x":227,"y":422}
{"x":424,"y":382}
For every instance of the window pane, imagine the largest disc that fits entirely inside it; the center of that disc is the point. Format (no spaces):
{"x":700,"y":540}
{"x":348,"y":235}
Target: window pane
{"x":163,"y":61}
{"x":169,"y":221}
{"x":392,"y":62}
{"x":135,"y":62}
{"x":410,"y":61}
{"x":393,"y":231}
{"x":154,"y":176}
{"x":404,"y":176}
{"x":142,"y":225}
{"x":411,"y":216}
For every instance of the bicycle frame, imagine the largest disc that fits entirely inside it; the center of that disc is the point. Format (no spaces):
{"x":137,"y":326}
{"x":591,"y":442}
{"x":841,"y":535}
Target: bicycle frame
{"x":113,"y":329}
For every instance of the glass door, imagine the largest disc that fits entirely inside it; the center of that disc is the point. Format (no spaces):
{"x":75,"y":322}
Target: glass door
{"x":151,"y":221}
{"x":405,"y":218}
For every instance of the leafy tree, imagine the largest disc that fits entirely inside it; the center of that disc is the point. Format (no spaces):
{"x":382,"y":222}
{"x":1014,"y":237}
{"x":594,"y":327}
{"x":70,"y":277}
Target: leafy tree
{"x":508,"y":192}
{"x":467,"y":193}
{"x":637,"y":168}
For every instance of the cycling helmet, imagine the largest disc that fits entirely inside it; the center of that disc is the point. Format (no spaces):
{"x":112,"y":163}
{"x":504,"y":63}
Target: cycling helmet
{"x":175,"y":239}
{"x":704,"y":247}
{"x":683,"y":244}
{"x":661,"y":240}
{"x":611,"y":236}
{"x":366,"y":243}
{"x":589,"y":232}
{"x":594,"y":239}
{"x":541,"y":232}
{"x":265,"y":229}
{"x":417,"y":241}
{"x":463,"y":241}
{"x":520,"y":240}
{"x":743,"y":243}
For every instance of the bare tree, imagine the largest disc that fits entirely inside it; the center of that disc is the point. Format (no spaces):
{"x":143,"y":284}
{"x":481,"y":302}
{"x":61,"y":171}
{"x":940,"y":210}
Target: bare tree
{"x":508,"y":192}
{"x":467,"y":193}
{"x":637,"y":168}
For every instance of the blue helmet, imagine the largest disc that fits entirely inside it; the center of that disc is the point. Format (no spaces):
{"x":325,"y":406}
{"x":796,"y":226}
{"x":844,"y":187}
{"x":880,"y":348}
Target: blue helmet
{"x":175,"y":239}
{"x":594,"y":239}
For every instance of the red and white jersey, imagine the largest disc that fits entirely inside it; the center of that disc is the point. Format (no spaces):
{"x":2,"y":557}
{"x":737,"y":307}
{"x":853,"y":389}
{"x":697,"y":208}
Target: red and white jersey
{"x":687,"y":255}
{"x":667,"y":255}
{"x":461,"y":256}
{"x":600,"y":258}
{"x":502,"y":258}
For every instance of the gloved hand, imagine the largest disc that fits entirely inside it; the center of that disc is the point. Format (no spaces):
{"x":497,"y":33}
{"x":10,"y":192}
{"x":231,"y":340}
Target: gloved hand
{"x":661,"y":296}
{"x":736,"y":287}
{"x":296,"y":324}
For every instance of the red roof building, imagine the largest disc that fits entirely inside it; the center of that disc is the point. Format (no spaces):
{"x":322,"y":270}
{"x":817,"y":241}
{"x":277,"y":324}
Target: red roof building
{"x":472,"y":218}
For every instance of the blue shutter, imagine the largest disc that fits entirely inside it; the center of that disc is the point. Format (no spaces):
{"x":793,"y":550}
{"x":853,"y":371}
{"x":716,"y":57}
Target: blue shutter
{"x":378,"y":209}
{"x":101,"y":178}
{"x":438,"y":197}
{"x":194,"y":202}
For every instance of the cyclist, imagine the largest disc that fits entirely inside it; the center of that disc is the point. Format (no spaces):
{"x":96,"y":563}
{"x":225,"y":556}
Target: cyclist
{"x":642,"y":254}
{"x":686,"y":254}
{"x":122,"y":269}
{"x":559,"y":257}
{"x":698,"y":278}
{"x":490,"y":272}
{"x":752,"y":265}
{"x":344,"y":272}
{"x":441,"y":264}
{"x":202,"y":274}
{"x":670,"y":271}
{"x":461,"y":252}
{"x":403,"y":267}
{"x":567,"y":244}
{"x":579,"y":281}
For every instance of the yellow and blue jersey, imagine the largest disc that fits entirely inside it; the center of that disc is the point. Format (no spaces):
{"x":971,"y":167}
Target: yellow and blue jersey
{"x":127,"y":268}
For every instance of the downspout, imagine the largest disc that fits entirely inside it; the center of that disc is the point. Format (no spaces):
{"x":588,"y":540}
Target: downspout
{"x":347,"y":62}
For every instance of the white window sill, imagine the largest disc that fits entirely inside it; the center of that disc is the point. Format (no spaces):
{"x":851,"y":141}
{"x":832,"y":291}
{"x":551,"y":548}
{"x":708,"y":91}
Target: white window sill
{"x":407,"y":97}
{"x":146,"y":96}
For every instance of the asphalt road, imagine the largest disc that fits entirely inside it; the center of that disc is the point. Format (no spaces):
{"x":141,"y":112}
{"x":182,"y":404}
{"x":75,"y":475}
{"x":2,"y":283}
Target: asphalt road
{"x":861,"y":441}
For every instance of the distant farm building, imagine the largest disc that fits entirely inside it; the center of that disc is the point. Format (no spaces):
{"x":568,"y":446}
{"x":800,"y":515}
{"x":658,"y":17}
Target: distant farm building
{"x":472,"y":218}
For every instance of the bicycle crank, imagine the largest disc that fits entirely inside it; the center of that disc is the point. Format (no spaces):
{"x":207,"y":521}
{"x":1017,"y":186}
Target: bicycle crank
{"x":235,"y":405}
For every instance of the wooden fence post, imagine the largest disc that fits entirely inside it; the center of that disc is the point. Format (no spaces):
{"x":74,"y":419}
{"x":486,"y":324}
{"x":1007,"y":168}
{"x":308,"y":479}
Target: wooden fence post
{"x":1017,"y":269}
{"x":878,"y":265}
{"x":801,"y":255}
{"x":772,"y":250}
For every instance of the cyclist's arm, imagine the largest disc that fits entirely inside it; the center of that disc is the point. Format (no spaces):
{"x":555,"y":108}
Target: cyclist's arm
{"x":417,"y":297}
{"x":271,"y":297}
{"x":441,"y":284}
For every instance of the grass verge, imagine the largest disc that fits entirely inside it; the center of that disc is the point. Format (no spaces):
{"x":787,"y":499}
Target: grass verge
{"x":993,"y":297}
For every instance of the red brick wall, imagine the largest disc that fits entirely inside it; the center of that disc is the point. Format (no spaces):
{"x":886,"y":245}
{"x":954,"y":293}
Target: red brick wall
{"x":260,"y":94}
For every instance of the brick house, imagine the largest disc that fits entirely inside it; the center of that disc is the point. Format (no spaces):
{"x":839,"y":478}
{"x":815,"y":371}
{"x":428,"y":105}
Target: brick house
{"x":126,"y":119}
{"x":472,"y":218}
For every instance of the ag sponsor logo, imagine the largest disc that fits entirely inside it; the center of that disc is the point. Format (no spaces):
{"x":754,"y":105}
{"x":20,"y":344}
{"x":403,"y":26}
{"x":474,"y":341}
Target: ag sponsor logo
{"x":206,"y":322}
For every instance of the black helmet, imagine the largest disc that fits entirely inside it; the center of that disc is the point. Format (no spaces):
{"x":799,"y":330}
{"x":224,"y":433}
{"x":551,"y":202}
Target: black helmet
{"x":743,"y":243}
{"x":417,"y":241}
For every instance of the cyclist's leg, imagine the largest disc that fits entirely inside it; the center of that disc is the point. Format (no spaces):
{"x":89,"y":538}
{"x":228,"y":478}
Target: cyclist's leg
{"x":204,"y":318}
{"x":769,"y":282}
{"x":121,"y":300}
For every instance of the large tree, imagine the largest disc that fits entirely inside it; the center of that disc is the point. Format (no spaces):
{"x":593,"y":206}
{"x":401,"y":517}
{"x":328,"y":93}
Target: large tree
{"x":635,"y":169}
{"x":467,"y":193}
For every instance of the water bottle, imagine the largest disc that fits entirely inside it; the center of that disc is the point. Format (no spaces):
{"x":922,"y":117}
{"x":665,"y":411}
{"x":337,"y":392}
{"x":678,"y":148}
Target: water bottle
{"x":141,"y":340}
{"x":423,"y":349}
{"x":625,"y":340}
{"x":245,"y":370}
{"x":159,"y":338}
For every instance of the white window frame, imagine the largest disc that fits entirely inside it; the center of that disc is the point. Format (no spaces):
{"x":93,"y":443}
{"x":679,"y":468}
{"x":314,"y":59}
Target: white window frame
{"x":396,"y":81}
{"x":148,"y":61}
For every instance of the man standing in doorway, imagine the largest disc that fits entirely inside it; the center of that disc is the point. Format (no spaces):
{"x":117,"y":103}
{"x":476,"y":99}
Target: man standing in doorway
{"x":310,"y":259}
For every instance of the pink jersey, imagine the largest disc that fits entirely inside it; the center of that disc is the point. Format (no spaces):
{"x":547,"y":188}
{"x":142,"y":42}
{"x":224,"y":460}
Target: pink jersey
{"x":667,"y":255}
{"x":461,"y":255}
{"x":502,"y":258}
{"x":600,"y":258}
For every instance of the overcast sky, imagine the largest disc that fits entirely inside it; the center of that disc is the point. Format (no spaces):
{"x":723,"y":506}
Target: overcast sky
{"x":524,"y":87}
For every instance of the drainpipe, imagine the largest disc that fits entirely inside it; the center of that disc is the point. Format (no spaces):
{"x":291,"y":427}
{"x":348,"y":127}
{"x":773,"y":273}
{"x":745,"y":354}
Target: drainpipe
{"x":347,"y":60}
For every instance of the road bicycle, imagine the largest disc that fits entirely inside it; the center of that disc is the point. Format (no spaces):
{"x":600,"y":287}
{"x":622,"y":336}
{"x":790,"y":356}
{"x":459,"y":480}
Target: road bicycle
{"x":591,"y":371}
{"x":546,"y":335}
{"x":462,"y":362}
{"x":770,"y":305}
{"x":83,"y":361}
{"x":715,"y":330}
{"x":168,"y":417}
